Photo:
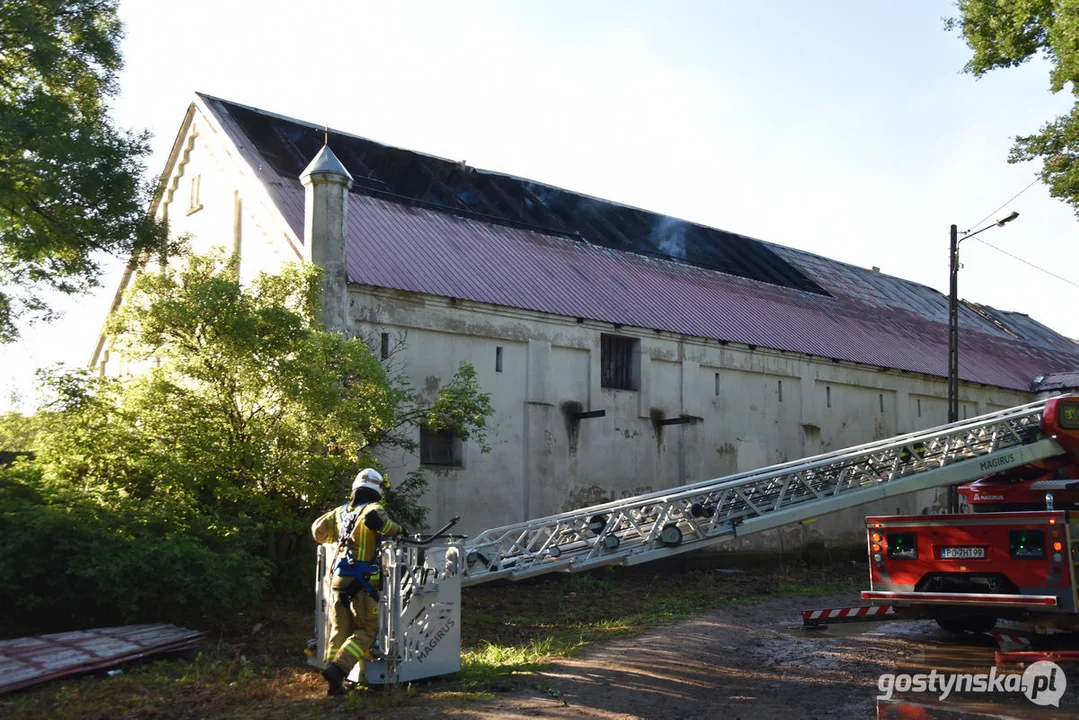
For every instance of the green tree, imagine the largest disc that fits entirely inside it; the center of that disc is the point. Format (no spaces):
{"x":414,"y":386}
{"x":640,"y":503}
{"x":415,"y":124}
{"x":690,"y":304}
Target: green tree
{"x":281,"y":406}
{"x":71,"y":185}
{"x":246,"y":420}
{"x":1007,"y":33}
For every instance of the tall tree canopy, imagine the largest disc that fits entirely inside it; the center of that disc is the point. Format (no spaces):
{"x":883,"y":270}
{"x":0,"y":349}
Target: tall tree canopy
{"x":71,"y":182}
{"x":1007,"y":33}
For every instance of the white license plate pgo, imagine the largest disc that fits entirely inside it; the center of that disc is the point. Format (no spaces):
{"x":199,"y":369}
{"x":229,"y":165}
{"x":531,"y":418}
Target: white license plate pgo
{"x":962,"y":553}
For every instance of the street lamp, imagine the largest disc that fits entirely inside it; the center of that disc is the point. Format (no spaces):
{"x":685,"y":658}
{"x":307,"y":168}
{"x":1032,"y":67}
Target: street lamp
{"x":953,"y":334}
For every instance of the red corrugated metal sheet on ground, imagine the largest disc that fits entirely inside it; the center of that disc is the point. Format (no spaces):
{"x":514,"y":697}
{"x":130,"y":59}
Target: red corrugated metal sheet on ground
{"x":32,"y":660}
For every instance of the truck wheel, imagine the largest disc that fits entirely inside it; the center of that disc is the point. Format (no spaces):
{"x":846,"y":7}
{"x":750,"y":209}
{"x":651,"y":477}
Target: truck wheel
{"x":975,"y":624}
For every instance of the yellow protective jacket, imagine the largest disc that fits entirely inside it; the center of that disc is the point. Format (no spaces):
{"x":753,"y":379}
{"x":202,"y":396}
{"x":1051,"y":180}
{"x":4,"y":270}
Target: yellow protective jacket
{"x":362,"y":542}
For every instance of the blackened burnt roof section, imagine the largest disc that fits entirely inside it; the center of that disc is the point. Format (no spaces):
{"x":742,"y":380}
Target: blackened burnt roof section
{"x":422,"y":225}
{"x":423,"y":180}
{"x":1056,"y":382}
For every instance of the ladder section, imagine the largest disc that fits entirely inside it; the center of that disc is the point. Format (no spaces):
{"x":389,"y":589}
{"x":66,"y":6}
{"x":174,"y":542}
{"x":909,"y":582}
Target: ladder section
{"x":668,"y":522}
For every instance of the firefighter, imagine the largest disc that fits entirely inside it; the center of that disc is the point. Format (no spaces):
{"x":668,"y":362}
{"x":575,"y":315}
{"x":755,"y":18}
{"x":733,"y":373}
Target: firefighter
{"x":357,"y":527}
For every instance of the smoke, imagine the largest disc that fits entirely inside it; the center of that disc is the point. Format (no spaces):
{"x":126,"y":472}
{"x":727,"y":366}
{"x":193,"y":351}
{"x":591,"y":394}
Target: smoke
{"x":669,"y":237}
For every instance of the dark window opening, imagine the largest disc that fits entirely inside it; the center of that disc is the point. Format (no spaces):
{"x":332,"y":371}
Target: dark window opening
{"x":385,"y":345}
{"x":618,"y":361}
{"x":498,"y":359}
{"x":828,"y":395}
{"x":441,"y":448}
{"x":780,"y":390}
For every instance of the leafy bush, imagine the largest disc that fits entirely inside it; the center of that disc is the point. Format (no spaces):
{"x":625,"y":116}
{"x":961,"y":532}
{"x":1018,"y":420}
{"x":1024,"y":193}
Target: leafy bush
{"x":182,"y":494}
{"x":67,"y":562}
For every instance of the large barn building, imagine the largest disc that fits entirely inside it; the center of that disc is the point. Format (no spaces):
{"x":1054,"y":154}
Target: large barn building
{"x":624,"y":350}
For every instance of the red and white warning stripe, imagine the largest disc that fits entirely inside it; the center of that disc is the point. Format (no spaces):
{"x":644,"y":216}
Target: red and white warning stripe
{"x":1010,"y":641}
{"x":849,"y":614}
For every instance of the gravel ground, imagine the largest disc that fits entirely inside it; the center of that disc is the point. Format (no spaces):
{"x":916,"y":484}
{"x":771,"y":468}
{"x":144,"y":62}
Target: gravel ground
{"x":754,"y":661}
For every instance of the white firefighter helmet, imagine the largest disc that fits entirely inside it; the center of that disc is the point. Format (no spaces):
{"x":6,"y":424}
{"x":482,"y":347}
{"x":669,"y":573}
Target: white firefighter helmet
{"x":369,"y":478}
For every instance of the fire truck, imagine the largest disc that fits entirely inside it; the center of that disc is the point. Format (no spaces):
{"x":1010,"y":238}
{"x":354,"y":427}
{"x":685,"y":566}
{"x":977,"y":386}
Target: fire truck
{"x":1012,"y":561}
{"x":1010,"y":557}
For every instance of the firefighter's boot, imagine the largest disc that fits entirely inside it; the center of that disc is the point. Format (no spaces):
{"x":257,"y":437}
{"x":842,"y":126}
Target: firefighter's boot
{"x":335,"y":678}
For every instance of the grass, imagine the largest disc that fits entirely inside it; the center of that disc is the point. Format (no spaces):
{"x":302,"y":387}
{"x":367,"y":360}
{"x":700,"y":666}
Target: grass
{"x":509,"y":633}
{"x":492,"y":662}
{"x":616,"y":601}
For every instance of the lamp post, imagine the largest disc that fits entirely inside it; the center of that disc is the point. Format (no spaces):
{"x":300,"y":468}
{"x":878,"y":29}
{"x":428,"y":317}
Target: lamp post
{"x":953,"y":333}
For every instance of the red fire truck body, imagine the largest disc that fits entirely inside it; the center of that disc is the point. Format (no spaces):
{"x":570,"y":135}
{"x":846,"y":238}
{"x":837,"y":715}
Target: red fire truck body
{"x":1012,"y":557}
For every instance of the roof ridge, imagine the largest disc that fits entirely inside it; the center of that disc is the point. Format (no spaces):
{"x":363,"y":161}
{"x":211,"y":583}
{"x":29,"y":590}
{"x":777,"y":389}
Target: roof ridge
{"x":449,"y":186}
{"x":484,"y":171}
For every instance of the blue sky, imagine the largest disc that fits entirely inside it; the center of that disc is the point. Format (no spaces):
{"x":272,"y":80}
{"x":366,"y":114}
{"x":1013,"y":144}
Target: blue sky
{"x":843,"y":128}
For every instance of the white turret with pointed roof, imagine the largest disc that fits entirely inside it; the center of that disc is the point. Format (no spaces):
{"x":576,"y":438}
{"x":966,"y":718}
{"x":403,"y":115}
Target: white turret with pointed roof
{"x":326,"y":184}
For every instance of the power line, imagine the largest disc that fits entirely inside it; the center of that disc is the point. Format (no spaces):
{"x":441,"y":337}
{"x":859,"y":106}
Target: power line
{"x":1016,"y":257}
{"x":1026,"y":262}
{"x":967,"y":232}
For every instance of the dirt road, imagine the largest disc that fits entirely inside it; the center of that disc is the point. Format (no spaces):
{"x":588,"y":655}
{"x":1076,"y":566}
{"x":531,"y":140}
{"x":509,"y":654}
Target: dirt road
{"x":749,"y":660}
{"x":755,"y":661}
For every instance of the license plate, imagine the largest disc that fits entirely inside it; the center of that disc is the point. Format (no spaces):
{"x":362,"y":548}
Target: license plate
{"x":963,"y":553}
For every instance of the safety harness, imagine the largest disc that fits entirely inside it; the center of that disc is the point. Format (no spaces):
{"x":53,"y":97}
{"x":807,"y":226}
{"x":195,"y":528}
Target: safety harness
{"x":347,"y":565}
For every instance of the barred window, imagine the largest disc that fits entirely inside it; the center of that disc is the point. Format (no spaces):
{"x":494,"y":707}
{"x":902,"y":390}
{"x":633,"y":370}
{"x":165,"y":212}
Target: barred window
{"x":618,"y":362}
{"x":441,"y":448}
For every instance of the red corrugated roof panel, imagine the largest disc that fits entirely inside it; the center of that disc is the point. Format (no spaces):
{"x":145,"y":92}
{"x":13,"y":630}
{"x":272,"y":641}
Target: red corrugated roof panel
{"x":32,"y":660}
{"x":809,"y":305}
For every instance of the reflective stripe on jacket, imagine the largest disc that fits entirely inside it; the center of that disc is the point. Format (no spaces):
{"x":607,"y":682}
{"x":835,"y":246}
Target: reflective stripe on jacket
{"x":363,"y":540}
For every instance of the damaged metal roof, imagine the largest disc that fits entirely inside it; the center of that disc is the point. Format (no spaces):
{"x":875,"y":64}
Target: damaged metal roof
{"x":427,"y":225}
{"x":32,"y":660}
{"x":403,"y":176}
{"x":1056,"y":382}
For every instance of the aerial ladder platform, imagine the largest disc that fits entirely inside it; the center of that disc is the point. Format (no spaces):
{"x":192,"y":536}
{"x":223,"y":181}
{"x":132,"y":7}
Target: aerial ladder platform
{"x":420,"y":606}
{"x":667,"y":522}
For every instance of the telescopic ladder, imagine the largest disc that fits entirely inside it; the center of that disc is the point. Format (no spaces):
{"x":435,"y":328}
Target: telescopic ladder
{"x":677,"y":520}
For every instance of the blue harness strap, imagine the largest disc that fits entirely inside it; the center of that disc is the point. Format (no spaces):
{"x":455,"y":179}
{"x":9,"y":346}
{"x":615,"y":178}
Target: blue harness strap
{"x":349,"y":566}
{"x":362,"y":571}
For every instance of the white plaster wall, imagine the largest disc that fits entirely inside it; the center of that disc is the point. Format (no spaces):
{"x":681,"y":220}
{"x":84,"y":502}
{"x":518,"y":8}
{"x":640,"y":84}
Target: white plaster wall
{"x":542,"y":463}
{"x":230,"y":214}
{"x":430,"y":358}
{"x":234,"y":214}
{"x":210,"y":222}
